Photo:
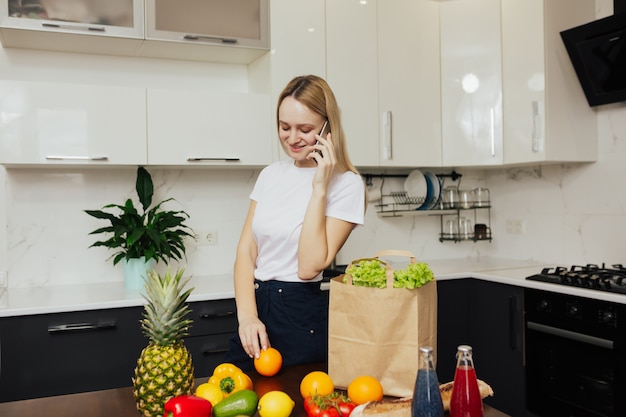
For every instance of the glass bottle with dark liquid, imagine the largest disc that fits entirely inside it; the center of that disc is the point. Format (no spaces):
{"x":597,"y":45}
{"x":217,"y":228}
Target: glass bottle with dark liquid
{"x":466,"y":400}
{"x":426,"y":396}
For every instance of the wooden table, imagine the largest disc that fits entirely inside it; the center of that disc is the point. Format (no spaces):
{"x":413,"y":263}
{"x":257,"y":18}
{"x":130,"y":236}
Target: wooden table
{"x":120,"y":402}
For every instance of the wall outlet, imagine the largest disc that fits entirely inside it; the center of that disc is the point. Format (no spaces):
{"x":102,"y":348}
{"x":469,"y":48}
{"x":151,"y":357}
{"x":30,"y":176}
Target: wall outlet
{"x":207,"y":238}
{"x":515,"y":227}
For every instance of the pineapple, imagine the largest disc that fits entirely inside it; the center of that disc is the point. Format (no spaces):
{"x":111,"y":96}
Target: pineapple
{"x":164,"y":368}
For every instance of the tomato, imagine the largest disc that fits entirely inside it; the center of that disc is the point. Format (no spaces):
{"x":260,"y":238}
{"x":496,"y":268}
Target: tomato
{"x":345,"y":407}
{"x":334,"y":404}
{"x":330,"y":412}
{"x":312,"y":407}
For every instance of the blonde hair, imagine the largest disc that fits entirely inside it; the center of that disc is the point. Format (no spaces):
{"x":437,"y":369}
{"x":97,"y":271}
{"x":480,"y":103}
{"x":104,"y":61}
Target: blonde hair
{"x":315,"y":93}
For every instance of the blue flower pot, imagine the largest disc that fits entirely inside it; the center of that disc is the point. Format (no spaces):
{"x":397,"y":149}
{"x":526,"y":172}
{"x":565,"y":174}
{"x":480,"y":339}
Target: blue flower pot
{"x":135,"y":272}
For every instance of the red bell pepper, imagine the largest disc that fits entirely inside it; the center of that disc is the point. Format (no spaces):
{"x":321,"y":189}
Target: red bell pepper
{"x":187,"y":406}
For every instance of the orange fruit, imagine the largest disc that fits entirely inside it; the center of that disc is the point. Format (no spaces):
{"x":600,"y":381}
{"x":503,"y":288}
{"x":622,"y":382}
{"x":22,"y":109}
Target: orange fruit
{"x":316,"y":382}
{"x":365,"y":388}
{"x":269,"y":362}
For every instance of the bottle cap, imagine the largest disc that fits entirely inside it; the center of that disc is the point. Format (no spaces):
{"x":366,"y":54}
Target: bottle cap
{"x":465,"y":348}
{"x":426,"y":349}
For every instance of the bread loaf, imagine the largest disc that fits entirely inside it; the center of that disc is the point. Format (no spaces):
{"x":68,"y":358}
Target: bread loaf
{"x":401,"y":407}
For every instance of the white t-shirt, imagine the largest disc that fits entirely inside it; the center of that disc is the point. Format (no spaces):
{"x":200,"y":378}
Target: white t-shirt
{"x":282,"y":193}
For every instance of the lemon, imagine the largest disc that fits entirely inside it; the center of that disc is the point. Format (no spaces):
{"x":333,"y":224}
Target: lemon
{"x":211,"y":392}
{"x":275,"y":404}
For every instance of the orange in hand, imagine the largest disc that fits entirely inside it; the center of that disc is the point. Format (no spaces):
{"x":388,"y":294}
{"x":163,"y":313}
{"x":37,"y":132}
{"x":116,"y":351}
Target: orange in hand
{"x":365,"y":388}
{"x":269,"y":362}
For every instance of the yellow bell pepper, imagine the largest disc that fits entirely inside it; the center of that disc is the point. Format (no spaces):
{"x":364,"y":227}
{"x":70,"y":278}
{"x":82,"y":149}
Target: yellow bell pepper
{"x":230,"y":379}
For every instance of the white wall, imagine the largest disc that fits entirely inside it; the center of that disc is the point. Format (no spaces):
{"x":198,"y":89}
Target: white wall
{"x":572,"y":213}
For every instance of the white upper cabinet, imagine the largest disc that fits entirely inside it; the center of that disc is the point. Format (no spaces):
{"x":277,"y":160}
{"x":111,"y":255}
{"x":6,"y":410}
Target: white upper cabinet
{"x":408,"y":86}
{"x":546,"y":115}
{"x":235,"y":31}
{"x":69,"y":124}
{"x":352,"y":72}
{"x":208,"y":128}
{"x":383,"y":63}
{"x":471,"y":83}
{"x":298,"y":48}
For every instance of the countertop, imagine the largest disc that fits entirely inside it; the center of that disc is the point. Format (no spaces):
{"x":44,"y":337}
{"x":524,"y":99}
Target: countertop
{"x":120,"y":402}
{"x":68,"y":298}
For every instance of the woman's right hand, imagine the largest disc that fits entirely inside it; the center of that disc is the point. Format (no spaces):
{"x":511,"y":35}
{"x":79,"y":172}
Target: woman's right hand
{"x":253,"y":336}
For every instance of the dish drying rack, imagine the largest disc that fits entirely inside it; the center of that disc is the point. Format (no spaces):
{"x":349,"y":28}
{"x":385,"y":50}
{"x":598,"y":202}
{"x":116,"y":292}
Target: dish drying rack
{"x":399,"y":203}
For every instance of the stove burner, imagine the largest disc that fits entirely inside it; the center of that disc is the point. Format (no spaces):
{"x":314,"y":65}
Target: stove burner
{"x":592,"y":276}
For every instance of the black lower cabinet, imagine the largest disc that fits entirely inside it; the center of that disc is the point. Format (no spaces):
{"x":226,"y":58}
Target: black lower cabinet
{"x":214,"y":323}
{"x":489,"y":317}
{"x":65,"y":353}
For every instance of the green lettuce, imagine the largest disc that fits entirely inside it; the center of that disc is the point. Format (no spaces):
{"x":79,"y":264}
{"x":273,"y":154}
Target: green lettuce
{"x":372,"y":273}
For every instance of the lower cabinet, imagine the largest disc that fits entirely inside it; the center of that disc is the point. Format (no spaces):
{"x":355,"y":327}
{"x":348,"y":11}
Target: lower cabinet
{"x":489,"y":317}
{"x":64,"y":353}
{"x":214,"y":323}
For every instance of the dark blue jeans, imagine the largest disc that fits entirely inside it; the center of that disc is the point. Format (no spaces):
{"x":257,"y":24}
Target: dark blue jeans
{"x":296,"y":318}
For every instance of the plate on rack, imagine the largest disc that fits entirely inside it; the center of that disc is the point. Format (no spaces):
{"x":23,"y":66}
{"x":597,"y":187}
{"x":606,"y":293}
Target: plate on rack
{"x":416,"y":186}
{"x":434,"y":190}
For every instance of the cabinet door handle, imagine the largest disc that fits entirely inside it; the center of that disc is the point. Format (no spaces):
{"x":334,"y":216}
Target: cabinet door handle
{"x":204,"y":316}
{"x":537,"y":123}
{"x":206,"y":351}
{"x":81,"y":327}
{"x":514,"y":323}
{"x":206,"y":38}
{"x":201,"y":159}
{"x":73,"y":27}
{"x":387,"y":135}
{"x":76,"y":158}
{"x":492,"y":117}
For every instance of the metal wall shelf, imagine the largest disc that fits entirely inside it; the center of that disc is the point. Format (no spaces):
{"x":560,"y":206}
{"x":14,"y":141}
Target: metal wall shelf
{"x":399,"y":204}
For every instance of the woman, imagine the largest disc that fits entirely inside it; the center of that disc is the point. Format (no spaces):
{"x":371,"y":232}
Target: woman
{"x":301,"y":213}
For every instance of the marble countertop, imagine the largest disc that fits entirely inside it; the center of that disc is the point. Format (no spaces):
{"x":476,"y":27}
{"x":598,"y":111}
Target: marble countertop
{"x":68,"y":298}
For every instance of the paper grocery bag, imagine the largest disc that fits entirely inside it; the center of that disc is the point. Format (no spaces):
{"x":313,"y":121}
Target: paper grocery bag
{"x":378,"y":331}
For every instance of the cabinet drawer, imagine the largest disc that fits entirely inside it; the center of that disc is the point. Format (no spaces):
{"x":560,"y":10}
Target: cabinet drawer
{"x":207,"y":352}
{"x":213,"y":317}
{"x":53,"y":354}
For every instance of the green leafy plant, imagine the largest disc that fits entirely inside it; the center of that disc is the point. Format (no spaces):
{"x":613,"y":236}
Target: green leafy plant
{"x":153,"y":233}
{"x":372,"y":273}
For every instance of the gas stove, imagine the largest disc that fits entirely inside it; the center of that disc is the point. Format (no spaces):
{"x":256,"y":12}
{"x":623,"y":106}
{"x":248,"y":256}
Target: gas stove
{"x":595,"y":277}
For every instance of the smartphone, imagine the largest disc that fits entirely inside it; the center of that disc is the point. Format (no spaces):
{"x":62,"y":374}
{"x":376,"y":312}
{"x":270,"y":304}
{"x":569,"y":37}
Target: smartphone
{"x":322,"y":133}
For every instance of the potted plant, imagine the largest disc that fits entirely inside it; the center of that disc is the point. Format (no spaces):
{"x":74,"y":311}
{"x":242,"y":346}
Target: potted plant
{"x":140,"y":239}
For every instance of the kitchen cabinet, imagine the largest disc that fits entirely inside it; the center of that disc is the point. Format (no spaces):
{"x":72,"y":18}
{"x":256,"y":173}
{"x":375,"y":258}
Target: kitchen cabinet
{"x":546,"y":115}
{"x":214,"y":324}
{"x":509,"y":92}
{"x":385,"y":72}
{"x":471,"y":83}
{"x":298,"y":48}
{"x":489,"y":317}
{"x":63,"y":353}
{"x":234,"y":31}
{"x":198,"y":128}
{"x":52,"y":124}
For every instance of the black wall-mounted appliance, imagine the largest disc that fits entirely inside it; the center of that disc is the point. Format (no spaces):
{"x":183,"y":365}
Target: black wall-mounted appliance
{"x":598,"y":53}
